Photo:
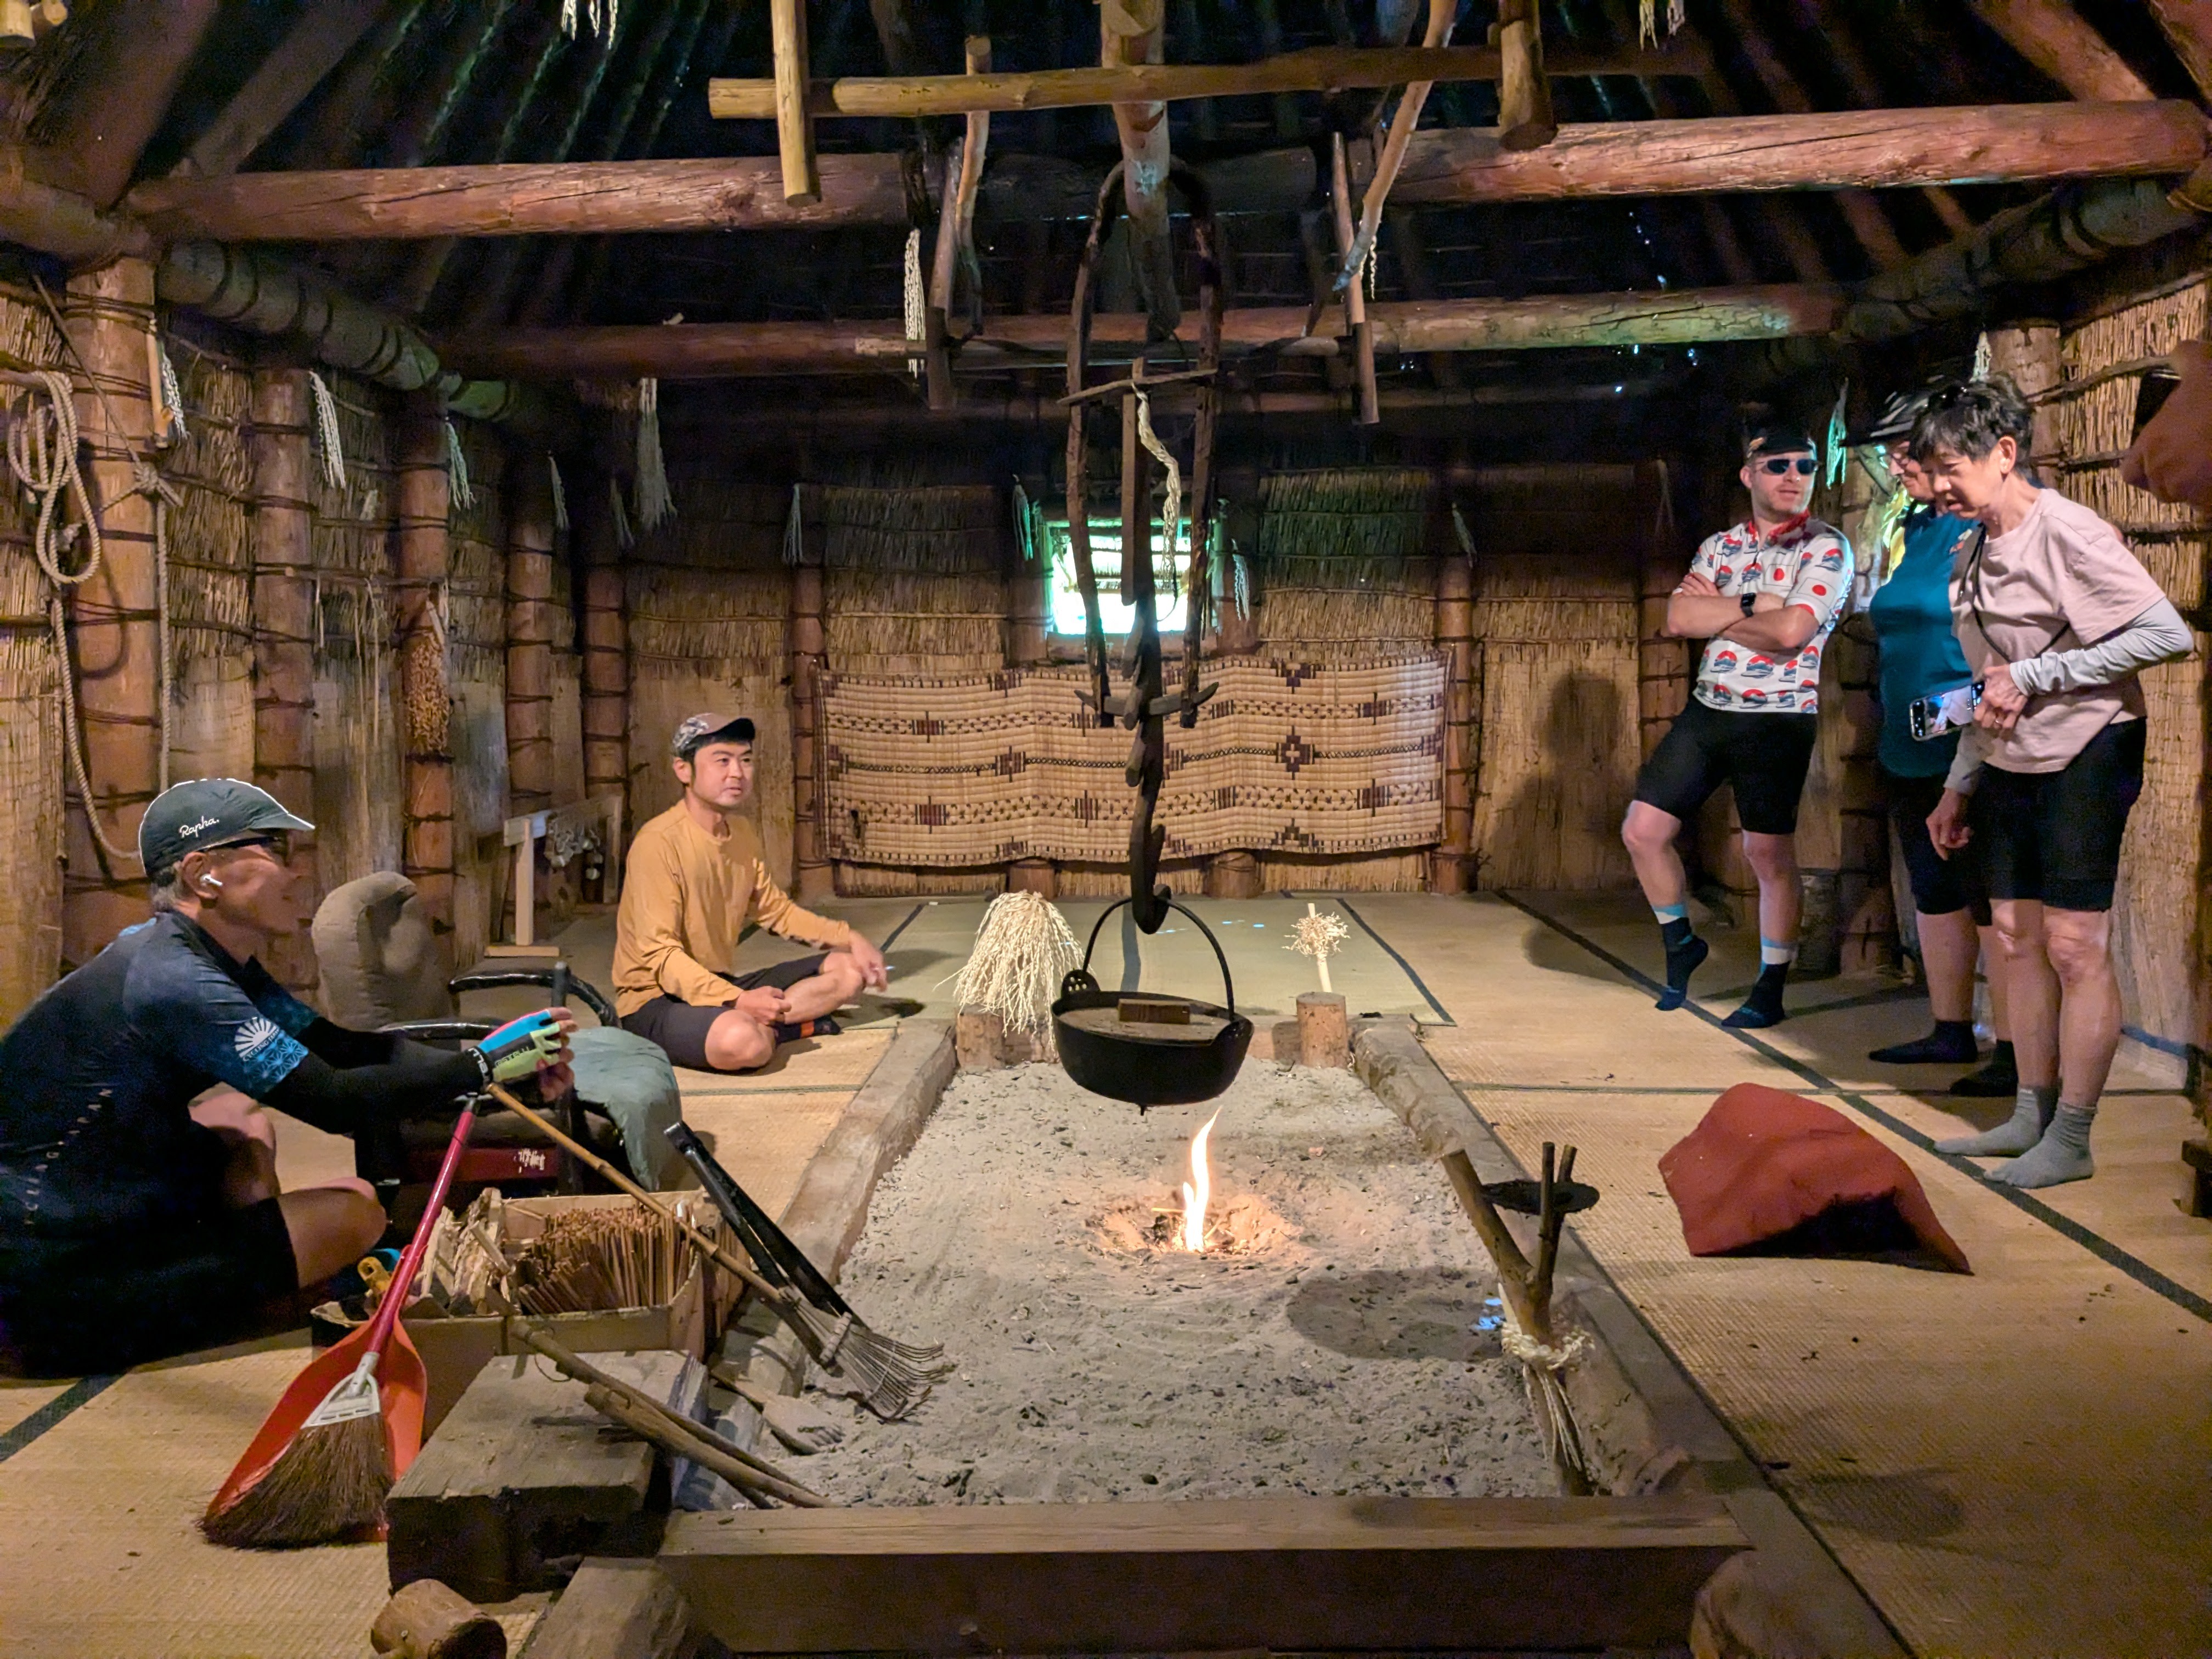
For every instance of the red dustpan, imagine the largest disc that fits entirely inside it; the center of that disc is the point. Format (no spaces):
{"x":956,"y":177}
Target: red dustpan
{"x":391,"y":1362}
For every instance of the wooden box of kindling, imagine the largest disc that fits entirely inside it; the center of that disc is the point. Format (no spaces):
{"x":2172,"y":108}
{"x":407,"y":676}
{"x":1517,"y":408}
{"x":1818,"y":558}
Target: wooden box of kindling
{"x":455,"y":1349}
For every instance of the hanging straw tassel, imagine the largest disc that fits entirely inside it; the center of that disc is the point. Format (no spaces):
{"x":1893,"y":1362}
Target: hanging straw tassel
{"x":559,"y":493}
{"x":457,"y":468}
{"x":327,"y":440}
{"x":1837,"y":455}
{"x":1024,"y":526}
{"x":917,"y":316}
{"x":653,"y":503}
{"x":1981,"y":369}
{"x":169,"y":425}
{"x":1171,"y":508}
{"x":794,"y":533}
{"x":624,"y":536}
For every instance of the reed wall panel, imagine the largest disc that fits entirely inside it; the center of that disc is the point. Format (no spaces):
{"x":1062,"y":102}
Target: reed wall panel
{"x":210,"y":570}
{"x":2161,"y":913}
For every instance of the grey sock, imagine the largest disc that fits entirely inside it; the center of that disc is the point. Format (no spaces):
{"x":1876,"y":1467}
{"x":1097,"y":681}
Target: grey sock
{"x":2062,"y":1155}
{"x":2031,"y":1116}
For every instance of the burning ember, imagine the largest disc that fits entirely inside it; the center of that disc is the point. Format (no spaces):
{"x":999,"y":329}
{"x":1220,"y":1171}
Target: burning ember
{"x":1198,"y":1225}
{"x":1198,"y":1191}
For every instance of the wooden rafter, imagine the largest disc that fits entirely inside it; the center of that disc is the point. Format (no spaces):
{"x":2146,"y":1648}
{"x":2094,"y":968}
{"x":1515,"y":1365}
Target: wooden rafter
{"x":1318,"y":69}
{"x":1858,"y":148}
{"x":325,"y":33}
{"x":118,"y":97}
{"x":727,"y":350}
{"x":794,"y":127}
{"x":1524,"y":95}
{"x":1133,"y":32}
{"x":2058,"y":41}
{"x":2188,"y":25}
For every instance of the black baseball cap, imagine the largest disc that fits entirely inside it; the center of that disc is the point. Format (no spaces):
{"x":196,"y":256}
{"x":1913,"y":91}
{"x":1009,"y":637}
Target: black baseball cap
{"x":204,"y":813}
{"x":696,"y":732}
{"x":1777,"y":438}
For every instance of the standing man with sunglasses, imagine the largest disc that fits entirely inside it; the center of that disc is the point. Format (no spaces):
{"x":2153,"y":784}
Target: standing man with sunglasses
{"x":1765,"y":596}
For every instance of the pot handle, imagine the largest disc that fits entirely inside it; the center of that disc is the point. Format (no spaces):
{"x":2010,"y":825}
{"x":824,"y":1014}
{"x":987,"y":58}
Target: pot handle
{"x":1227,"y":985}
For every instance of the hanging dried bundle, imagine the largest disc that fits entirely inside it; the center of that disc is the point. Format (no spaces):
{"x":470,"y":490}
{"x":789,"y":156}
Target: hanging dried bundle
{"x":1023,"y":950}
{"x":653,"y":501}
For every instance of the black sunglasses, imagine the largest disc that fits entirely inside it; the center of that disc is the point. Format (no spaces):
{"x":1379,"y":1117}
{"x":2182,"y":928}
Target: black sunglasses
{"x":1804,"y":465}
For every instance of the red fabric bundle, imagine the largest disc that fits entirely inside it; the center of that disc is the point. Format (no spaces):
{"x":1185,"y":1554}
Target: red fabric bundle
{"x":1763,"y":1162}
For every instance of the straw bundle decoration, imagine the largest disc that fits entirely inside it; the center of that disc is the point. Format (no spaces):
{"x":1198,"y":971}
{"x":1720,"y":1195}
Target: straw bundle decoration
{"x":596,"y":1259}
{"x":1023,"y":950}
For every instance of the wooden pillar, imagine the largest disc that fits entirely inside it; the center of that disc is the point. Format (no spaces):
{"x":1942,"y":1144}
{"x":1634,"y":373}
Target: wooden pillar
{"x":114,"y":643}
{"x":606,"y":659}
{"x":1449,"y":865}
{"x":425,"y":695}
{"x":2028,"y":354}
{"x":529,"y":631}
{"x":284,"y":630}
{"x":813,"y":876}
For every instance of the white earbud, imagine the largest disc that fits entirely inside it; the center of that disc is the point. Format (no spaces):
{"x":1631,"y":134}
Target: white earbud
{"x":210,"y":881}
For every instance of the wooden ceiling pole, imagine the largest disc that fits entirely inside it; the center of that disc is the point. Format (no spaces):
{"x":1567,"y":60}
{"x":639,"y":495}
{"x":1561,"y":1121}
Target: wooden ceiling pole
{"x":956,"y":241}
{"x":1524,"y":96}
{"x":1391,"y":156}
{"x":794,"y":127}
{"x":1355,"y":297}
{"x":1132,"y":32}
{"x":1316,"y":68}
{"x":323,"y":35}
{"x":1412,"y":251}
{"x":357,"y":103}
{"x":1841,"y":40}
{"x":2058,"y":41}
{"x":2188,"y":25}
{"x":1839,"y":149}
{"x":118,"y":97}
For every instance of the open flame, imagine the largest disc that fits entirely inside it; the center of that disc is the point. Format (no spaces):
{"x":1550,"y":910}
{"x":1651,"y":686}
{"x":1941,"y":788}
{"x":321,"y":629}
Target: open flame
{"x":1198,"y":1191}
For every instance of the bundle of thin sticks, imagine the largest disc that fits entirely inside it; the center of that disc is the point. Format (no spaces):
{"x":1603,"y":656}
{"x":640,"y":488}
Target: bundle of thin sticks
{"x":587,"y":1260}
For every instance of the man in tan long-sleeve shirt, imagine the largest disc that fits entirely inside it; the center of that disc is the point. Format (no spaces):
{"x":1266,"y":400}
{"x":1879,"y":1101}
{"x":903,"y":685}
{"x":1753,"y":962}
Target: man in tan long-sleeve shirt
{"x":693,"y":877}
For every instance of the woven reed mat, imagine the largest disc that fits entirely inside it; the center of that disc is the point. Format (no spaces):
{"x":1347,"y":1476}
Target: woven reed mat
{"x":1288,"y":756}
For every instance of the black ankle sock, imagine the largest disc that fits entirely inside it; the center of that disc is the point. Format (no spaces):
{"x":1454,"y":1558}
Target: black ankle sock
{"x":1685,"y":950}
{"x":1998,"y":1078}
{"x":1951,"y":1043}
{"x":1763,"y":1007}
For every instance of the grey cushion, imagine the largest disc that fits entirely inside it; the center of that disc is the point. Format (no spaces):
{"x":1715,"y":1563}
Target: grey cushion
{"x":379,"y":960}
{"x":630,"y":1080}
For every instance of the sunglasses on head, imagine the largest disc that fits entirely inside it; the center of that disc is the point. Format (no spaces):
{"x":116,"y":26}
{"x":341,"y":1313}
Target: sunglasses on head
{"x":1775,"y":465}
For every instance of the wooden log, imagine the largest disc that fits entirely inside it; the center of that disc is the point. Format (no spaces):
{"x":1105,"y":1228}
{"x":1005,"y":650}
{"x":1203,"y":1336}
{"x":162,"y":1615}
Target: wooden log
{"x":794,"y":127}
{"x":1033,"y":876}
{"x":111,"y":616}
{"x":2188,"y":26}
{"x":1454,"y":636}
{"x":616,"y":1609}
{"x":606,"y":691}
{"x":1524,"y":96}
{"x":813,"y":878}
{"x":739,"y":350}
{"x":2058,"y":41}
{"x":1317,"y":69}
{"x":284,"y":627}
{"x":1233,"y":874}
{"x":523,"y":1471}
{"x":1862,"y":148}
{"x":424,"y":562}
{"x":1324,"y":1037}
{"x":1288,"y":1574}
{"x":323,"y":35}
{"x":981,"y":1042}
{"x":1390,"y":158}
{"x":427,"y":1620}
{"x":1133,"y":32}
{"x":529,"y":697}
{"x":1355,"y":294}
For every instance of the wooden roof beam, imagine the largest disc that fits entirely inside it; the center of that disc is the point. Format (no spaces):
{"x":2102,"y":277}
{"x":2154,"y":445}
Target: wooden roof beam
{"x":1318,"y":69}
{"x":1133,"y":32}
{"x":734,"y":350}
{"x":119,"y":96}
{"x":1869,"y":149}
{"x":323,"y":35}
{"x":2059,"y":41}
{"x":2188,"y":25}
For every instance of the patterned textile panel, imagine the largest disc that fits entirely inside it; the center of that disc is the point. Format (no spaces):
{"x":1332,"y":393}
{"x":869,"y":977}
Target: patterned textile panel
{"x":1289,"y":757}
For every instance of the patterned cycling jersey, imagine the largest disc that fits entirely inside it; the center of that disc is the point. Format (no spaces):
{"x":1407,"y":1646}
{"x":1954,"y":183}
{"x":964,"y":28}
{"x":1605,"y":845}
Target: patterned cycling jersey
{"x":1806,"y":562}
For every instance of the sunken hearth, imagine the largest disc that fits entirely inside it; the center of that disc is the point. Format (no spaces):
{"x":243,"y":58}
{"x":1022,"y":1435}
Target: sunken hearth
{"x":1333,"y":1335}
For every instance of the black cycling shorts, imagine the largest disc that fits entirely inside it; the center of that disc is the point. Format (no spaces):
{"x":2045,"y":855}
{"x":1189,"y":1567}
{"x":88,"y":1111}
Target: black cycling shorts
{"x":2055,"y":835}
{"x":1763,"y":757}
{"x":1941,"y":886}
{"x":681,"y":1028}
{"x":79,"y":1307}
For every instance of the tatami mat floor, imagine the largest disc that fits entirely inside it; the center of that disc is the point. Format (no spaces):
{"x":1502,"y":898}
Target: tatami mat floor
{"x":2010,"y":1463}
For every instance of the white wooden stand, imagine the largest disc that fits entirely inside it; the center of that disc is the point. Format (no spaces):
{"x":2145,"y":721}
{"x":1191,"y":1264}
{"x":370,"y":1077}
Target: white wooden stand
{"x":523,"y":835}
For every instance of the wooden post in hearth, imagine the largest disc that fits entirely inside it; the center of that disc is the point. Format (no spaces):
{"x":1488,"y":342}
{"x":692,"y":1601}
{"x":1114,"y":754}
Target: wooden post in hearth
{"x":1450,"y":863}
{"x":284,"y":624}
{"x":813,"y":876}
{"x":606,"y":663}
{"x":426,"y":695}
